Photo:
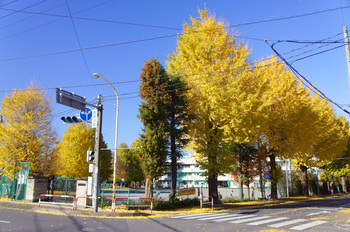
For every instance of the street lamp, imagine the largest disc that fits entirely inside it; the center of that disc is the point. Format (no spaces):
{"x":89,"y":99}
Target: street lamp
{"x":96,"y":75}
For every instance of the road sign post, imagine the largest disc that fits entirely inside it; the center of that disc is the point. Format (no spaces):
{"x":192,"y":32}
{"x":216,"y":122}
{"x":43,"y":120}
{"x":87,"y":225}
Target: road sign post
{"x":75,"y":101}
{"x":96,"y":173}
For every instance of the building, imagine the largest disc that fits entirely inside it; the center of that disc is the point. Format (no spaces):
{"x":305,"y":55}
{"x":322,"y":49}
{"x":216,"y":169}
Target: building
{"x":190,"y":174}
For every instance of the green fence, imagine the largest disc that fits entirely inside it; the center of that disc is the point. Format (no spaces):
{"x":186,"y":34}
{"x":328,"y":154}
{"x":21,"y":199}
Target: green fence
{"x":15,"y":187}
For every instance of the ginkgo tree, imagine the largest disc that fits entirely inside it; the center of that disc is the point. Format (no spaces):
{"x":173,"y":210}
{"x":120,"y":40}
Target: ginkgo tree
{"x":209,"y":59}
{"x":70,"y":153}
{"x":27,"y":134}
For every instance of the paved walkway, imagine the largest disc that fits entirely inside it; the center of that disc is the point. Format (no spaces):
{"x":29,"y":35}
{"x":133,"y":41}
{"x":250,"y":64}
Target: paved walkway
{"x":82,"y":211}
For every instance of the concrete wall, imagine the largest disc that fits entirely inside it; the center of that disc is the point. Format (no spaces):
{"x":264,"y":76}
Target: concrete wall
{"x":35,"y":187}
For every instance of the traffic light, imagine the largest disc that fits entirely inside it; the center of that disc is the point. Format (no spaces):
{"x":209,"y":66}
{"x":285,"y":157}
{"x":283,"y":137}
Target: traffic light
{"x":69,"y":119}
{"x":90,"y":155}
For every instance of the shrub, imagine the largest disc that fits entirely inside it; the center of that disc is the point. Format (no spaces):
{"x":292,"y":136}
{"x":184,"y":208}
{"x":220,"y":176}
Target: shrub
{"x":234,"y":200}
{"x":175,"y":203}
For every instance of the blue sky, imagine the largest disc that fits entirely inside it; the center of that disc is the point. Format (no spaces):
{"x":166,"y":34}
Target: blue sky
{"x":40,"y":42}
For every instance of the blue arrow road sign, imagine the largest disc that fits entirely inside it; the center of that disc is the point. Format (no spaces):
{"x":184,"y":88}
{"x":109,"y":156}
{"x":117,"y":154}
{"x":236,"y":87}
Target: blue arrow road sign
{"x":86,"y":115}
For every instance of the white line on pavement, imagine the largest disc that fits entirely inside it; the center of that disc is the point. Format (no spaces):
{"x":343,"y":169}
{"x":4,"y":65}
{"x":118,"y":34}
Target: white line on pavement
{"x":202,"y":216}
{"x":218,"y":216}
{"x":5,"y":222}
{"x":190,"y":215}
{"x":308,"y":225}
{"x":281,"y":224}
{"x":250,"y":219}
{"x":234,"y":217}
{"x":267,"y":221}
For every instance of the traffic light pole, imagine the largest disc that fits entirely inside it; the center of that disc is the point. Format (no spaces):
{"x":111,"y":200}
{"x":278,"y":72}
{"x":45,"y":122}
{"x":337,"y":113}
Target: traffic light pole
{"x":96,"y":173}
{"x":75,"y":101}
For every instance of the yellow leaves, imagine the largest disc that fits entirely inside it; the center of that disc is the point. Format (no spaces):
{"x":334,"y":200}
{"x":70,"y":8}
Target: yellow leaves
{"x":71,"y":151}
{"x":27,"y":134}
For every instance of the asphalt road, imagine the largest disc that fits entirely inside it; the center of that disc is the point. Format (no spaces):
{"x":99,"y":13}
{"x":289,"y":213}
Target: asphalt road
{"x":313,"y":215}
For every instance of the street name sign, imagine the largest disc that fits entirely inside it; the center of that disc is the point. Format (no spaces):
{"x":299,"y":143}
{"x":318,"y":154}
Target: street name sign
{"x":70,"y":99}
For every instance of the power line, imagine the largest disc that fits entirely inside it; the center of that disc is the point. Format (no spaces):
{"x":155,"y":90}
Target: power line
{"x":291,"y":17}
{"x":89,"y":19}
{"x":90,"y":47}
{"x":4,"y":16}
{"x":52,"y":21}
{"x":318,"y":53}
{"x":79,"y":43}
{"x":157,"y":78}
{"x":299,"y":75}
{"x":31,"y":16}
{"x":151,"y":38}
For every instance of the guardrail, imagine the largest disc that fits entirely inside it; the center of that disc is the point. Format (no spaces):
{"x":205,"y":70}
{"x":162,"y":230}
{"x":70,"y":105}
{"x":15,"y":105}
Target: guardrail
{"x":139,"y":198}
{"x":56,"y":203}
{"x":88,"y":197}
{"x":75,"y":200}
{"x":206,"y":203}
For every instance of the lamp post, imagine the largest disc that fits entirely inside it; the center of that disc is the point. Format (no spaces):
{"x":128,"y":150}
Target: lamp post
{"x":96,"y":75}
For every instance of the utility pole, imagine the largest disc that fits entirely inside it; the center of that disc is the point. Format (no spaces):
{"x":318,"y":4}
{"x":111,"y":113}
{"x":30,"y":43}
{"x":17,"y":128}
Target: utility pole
{"x":347,"y":47}
{"x":96,"y":172}
{"x":78,"y":102}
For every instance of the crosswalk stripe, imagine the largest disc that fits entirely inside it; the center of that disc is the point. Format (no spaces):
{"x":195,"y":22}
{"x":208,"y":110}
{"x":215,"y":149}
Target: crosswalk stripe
{"x":267,"y":221}
{"x":190,"y":215}
{"x":308,"y":225}
{"x":249,"y":219}
{"x":202,"y":216}
{"x":219,"y":216}
{"x":234,"y":217}
{"x":281,"y":224}
{"x":7,"y":222}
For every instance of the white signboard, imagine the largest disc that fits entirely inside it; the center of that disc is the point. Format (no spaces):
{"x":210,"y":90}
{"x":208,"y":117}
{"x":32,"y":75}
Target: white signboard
{"x":89,"y":186}
{"x":94,"y":118}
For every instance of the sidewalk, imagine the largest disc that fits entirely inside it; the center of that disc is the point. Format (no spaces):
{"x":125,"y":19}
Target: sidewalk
{"x":66,"y":210}
{"x":88,"y":212}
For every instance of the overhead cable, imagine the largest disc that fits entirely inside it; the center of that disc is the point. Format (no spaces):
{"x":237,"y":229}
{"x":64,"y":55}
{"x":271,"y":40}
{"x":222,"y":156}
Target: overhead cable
{"x":299,"y":75}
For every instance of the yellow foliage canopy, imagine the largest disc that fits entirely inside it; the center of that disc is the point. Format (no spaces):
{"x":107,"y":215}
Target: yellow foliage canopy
{"x":210,"y":60}
{"x":27,"y":134}
{"x":71,"y":151}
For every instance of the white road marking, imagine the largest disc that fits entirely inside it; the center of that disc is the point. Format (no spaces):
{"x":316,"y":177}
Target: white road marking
{"x":250,"y":219}
{"x":203,"y":216}
{"x":267,"y":221}
{"x":190,"y":215}
{"x":7,"y":222}
{"x":308,"y":225}
{"x":234,"y":217}
{"x":281,"y":224}
{"x":312,"y":214}
{"x":218,"y":216}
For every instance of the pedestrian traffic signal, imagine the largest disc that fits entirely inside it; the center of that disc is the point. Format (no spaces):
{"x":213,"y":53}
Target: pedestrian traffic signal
{"x":69,"y":119}
{"x":90,"y":155}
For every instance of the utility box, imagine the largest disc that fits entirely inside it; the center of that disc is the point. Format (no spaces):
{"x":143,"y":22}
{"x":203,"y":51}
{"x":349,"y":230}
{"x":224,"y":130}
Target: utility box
{"x":81,"y":192}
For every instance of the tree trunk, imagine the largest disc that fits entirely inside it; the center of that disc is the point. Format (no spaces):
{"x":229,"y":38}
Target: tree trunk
{"x":325,"y":188}
{"x":273,"y":177}
{"x":343,"y":183}
{"x":173,"y":159}
{"x":173,"y":176}
{"x":332,"y":187}
{"x":240,"y":182}
{"x":213,"y":188}
{"x":262,"y":195}
{"x":149,"y":188}
{"x":304,"y":181}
